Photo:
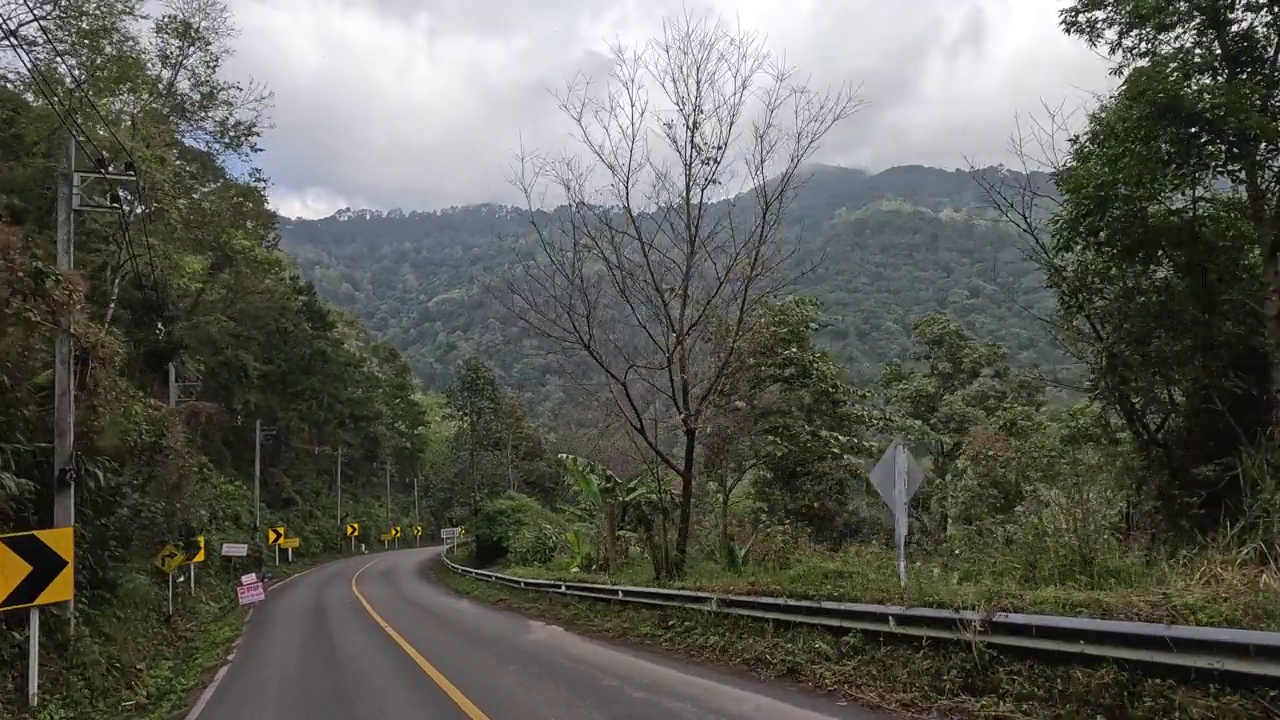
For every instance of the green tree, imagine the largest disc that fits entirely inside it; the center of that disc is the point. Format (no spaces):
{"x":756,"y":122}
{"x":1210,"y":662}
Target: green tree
{"x":953,"y":384}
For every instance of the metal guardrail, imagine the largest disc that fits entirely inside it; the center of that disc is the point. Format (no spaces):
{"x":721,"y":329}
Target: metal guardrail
{"x":1249,"y":652}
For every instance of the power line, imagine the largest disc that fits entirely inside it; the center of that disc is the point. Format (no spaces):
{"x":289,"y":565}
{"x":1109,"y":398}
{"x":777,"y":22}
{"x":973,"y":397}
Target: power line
{"x":76,"y":81}
{"x":71,"y":73}
{"x":39,"y":81}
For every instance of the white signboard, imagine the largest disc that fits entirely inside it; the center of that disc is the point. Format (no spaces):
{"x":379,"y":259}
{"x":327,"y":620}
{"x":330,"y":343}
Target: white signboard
{"x":249,"y":579}
{"x":448,"y":533}
{"x":251,"y":593}
{"x":235,"y":550}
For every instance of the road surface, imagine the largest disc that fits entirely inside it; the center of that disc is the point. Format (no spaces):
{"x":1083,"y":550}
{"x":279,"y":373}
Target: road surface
{"x":376,"y":638}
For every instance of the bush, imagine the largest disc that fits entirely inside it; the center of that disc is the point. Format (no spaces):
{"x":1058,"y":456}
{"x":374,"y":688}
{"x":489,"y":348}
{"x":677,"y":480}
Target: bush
{"x":515,"y":525}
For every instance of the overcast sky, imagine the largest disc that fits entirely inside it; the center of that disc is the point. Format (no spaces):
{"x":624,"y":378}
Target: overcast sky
{"x":419,"y":104}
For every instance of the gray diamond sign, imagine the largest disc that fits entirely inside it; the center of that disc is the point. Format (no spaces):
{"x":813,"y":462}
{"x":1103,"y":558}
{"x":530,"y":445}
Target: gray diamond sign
{"x":897,"y":477}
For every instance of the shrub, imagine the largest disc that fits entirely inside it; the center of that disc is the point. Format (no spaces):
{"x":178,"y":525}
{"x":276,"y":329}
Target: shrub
{"x":515,"y":525}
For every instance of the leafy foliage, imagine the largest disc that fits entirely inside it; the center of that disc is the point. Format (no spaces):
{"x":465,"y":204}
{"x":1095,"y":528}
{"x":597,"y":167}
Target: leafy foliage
{"x":186,"y":274}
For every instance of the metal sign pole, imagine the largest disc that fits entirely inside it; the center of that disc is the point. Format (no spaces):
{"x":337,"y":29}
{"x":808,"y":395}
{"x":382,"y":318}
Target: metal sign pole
{"x":170,"y":593}
{"x":33,"y":657}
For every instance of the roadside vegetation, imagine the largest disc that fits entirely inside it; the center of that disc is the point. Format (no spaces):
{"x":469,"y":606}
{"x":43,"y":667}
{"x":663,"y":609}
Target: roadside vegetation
{"x":730,"y":452}
{"x":187,"y":272}
{"x":709,"y":439}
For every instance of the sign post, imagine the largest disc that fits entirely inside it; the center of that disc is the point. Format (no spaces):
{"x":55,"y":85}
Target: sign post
{"x":450,"y":537}
{"x":897,"y":477}
{"x":275,"y":536}
{"x":169,"y":560}
{"x":199,"y":558}
{"x":289,"y":544}
{"x":36,"y":568}
{"x":352,"y":532}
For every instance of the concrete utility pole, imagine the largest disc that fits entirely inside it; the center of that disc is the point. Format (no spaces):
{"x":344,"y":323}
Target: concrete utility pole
{"x":257,"y":476}
{"x":417,"y":516}
{"x":64,"y":432}
{"x":173,"y":386}
{"x":388,"y":492}
{"x":70,"y":198}
{"x":339,"y":478}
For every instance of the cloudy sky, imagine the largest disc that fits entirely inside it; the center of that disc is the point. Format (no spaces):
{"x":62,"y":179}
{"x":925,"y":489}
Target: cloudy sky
{"x":419,"y":104}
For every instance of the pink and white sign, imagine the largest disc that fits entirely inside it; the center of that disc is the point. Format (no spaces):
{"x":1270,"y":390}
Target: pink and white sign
{"x":249,"y":579}
{"x":251,"y":593}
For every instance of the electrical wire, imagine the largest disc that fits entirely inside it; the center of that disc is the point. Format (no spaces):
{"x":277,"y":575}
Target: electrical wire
{"x":76,"y":81}
{"x":71,"y":73}
{"x":39,"y":80}
{"x":67,"y":119}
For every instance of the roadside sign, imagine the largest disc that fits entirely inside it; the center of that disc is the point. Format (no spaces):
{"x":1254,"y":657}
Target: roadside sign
{"x":395,"y":532}
{"x":897,"y":477}
{"x":199,"y":558}
{"x":353,"y":530}
{"x":251,"y":593}
{"x":387,"y":536}
{"x":249,"y":579}
{"x":290,"y":543}
{"x":169,"y":559}
{"x":449,"y":533}
{"x":417,"y":531}
{"x":275,"y":535}
{"x":235,"y":550}
{"x":37,"y":568}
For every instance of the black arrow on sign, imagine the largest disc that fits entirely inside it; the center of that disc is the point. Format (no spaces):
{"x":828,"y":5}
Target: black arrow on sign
{"x":276,"y":536}
{"x":168,"y":555}
{"x":46,"y":565}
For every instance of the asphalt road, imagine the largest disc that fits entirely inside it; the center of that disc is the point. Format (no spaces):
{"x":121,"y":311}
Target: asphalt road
{"x":375,"y":638}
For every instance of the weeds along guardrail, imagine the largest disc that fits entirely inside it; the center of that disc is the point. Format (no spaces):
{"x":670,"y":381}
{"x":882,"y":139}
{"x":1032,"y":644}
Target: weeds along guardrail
{"x":1247,"y":652}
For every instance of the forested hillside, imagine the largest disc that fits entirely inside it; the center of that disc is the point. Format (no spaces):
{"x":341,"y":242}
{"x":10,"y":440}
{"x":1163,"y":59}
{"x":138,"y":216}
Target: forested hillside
{"x":183,"y":269}
{"x":882,"y":250}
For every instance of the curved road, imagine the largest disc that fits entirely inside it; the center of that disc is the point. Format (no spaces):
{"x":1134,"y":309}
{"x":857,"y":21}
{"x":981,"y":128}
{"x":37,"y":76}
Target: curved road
{"x":375,"y":638}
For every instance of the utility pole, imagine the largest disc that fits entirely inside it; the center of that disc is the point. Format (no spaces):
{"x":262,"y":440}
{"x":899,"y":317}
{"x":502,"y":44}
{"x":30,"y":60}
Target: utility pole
{"x":64,"y":420}
{"x":388,"y":493}
{"x":339,"y":477}
{"x":173,"y":386}
{"x":69,"y":200}
{"x":257,"y":476}
{"x":417,"y":516}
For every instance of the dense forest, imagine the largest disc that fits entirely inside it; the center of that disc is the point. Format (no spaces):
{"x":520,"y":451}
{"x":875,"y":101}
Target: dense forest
{"x":876,"y":250}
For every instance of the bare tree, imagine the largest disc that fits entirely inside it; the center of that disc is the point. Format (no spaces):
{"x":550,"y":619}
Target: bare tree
{"x":653,"y":245}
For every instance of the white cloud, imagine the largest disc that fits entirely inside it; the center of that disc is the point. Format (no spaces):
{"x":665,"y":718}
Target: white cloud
{"x":420,"y":103}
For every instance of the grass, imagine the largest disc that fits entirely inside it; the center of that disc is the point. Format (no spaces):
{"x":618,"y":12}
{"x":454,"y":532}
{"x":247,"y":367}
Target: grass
{"x":1215,"y":590}
{"x":919,"y":680}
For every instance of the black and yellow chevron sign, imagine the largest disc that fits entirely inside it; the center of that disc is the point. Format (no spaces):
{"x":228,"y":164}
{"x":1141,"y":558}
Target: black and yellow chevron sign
{"x":37,"y":568}
{"x":275,"y":535}
{"x":353,"y":530}
{"x":395,"y":532}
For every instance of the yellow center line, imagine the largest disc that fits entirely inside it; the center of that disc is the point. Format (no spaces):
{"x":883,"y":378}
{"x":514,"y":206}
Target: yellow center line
{"x":469,"y":708}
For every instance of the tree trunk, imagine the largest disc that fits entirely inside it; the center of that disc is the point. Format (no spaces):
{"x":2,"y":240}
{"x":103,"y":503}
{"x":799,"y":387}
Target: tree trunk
{"x":686,"y":503}
{"x":725,"y":538}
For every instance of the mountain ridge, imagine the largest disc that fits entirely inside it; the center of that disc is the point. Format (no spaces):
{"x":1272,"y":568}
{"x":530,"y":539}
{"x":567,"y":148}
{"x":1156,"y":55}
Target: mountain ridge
{"x":886,"y":248}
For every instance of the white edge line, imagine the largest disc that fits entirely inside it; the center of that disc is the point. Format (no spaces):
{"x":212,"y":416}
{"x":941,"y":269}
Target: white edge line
{"x":226,"y":665}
